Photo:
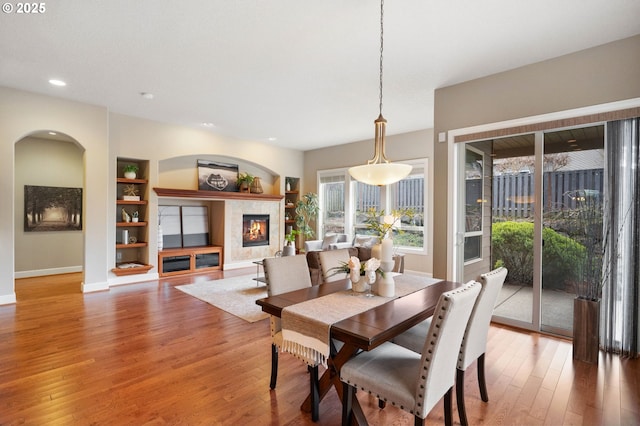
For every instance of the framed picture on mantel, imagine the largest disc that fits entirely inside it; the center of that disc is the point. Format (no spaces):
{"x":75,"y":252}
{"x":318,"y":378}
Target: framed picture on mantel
{"x":216,"y":176}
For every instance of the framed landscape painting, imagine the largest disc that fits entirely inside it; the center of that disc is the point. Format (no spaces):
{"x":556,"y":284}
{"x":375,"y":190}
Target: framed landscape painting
{"x":216,"y":176}
{"x":50,"y":208}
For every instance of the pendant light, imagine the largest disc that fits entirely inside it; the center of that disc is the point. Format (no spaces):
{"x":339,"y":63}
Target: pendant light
{"x":379,"y":170}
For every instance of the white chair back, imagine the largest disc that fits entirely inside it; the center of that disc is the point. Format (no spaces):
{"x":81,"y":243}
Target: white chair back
{"x":330,"y":259}
{"x":474,"y":342}
{"x":287,"y":273}
{"x":439,"y":354}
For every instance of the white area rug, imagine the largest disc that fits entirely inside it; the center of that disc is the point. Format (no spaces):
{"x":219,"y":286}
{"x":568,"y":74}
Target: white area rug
{"x":236,"y":295}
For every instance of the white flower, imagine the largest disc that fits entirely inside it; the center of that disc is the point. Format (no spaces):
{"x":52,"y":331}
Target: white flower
{"x":372,"y":264}
{"x":354,"y":263}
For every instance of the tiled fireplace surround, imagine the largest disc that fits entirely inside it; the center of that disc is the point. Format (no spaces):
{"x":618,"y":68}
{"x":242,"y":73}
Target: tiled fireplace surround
{"x":236,"y":256}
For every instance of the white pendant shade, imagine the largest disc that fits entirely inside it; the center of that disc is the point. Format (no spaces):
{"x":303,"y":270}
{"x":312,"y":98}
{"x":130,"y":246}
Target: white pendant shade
{"x":380,"y":173}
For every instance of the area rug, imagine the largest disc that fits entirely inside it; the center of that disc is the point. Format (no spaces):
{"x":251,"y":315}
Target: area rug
{"x":236,"y":295}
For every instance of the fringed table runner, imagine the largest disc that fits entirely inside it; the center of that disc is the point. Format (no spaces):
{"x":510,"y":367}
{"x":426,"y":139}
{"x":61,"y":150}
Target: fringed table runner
{"x":306,"y":326}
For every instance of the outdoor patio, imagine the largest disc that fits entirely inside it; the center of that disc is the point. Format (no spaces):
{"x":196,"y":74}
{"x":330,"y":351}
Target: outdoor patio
{"x":514,"y":302}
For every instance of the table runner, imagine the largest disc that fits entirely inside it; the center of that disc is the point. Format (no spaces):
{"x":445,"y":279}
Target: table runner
{"x":306,"y":326}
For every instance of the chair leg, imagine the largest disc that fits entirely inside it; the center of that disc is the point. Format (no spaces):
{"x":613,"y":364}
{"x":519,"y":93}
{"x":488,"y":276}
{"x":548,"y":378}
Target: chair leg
{"x":314,"y":392}
{"x":274,"y":366}
{"x":447,"y":407}
{"x":481,"y":380}
{"x":418,"y":421}
{"x":460,"y":397}
{"x":348,"y":393}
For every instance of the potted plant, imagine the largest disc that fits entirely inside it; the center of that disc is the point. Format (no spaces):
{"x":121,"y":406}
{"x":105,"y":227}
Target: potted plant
{"x":290,"y":248}
{"x":134,"y":216}
{"x":244,"y":181}
{"x":380,"y":224}
{"x":307,"y":209}
{"x":130,"y":171}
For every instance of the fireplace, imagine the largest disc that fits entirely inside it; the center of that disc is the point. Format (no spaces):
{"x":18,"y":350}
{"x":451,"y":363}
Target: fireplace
{"x":255,"y":230}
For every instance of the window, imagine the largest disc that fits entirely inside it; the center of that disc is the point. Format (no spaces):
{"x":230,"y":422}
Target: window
{"x":331,"y":197}
{"x":344,"y":203}
{"x":474,"y":186}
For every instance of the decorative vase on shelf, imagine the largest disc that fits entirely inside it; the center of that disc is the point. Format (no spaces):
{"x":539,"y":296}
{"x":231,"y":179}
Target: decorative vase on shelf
{"x":288,"y":187}
{"x":130,"y":175}
{"x":256,"y":186}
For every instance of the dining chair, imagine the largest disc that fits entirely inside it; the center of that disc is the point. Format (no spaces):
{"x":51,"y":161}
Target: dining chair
{"x":412,"y":381}
{"x":284,"y":274}
{"x":330,"y":259}
{"x":474,"y":342}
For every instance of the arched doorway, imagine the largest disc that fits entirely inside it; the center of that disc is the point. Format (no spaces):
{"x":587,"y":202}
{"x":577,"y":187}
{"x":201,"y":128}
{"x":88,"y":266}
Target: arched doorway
{"x":48,"y":212}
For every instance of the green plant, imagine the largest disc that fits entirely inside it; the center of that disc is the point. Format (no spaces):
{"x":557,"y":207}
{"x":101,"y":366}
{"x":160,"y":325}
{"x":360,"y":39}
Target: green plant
{"x":380,"y":224}
{"x":512,"y":244}
{"x":291,"y":236}
{"x":307,"y":209}
{"x":135,"y":214}
{"x":130,"y":168}
{"x":245,"y":178}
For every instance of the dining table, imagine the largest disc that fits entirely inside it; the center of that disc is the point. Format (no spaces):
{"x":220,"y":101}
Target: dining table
{"x":365,"y":330}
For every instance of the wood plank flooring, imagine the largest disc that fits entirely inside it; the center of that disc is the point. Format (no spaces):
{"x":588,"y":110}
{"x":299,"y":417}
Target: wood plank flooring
{"x":148,"y":354}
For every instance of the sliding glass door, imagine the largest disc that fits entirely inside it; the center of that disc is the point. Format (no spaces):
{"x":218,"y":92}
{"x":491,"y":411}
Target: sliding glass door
{"x":539,"y":195}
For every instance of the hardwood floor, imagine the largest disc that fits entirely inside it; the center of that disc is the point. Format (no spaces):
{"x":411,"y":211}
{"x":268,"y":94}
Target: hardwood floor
{"x":148,"y":354}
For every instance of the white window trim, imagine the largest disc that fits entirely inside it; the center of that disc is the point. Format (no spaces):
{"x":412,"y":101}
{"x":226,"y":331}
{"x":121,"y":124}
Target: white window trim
{"x":384,"y":197}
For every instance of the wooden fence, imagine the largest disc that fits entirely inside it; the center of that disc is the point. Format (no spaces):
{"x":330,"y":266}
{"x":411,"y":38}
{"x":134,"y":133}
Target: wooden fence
{"x":513,"y":194}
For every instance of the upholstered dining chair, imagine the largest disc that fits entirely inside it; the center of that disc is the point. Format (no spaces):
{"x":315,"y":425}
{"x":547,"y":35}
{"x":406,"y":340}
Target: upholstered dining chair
{"x":330,"y":259}
{"x":409,"y":380}
{"x":284,"y":274}
{"x":474,"y":343}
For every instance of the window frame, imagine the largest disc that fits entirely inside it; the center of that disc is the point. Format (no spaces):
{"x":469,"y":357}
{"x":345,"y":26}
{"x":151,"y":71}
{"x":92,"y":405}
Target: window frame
{"x":386,"y":193}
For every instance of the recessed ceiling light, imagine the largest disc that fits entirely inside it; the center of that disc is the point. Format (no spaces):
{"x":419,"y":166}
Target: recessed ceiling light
{"x":272,"y":139}
{"x":208,"y":124}
{"x":146,"y":95}
{"x":56,"y":82}
{"x":52,"y":133}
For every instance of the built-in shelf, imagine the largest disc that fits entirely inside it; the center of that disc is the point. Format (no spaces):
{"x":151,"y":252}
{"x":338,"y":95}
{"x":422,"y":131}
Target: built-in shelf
{"x":215,"y":195}
{"x":131,"y":271}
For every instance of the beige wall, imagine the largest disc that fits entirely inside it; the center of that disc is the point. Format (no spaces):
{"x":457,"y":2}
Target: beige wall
{"x":22,"y":113}
{"x":105,"y":136}
{"x":594,"y":76}
{"x":404,"y":146}
{"x":43,"y":162}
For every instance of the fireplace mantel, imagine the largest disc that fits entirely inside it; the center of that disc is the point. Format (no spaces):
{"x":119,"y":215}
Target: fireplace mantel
{"x":214,"y":195}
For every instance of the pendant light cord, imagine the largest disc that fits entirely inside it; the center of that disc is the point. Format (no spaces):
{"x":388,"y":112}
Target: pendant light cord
{"x":381,"y":48}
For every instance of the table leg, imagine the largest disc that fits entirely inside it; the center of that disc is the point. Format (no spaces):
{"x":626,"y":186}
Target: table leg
{"x":331,"y":378}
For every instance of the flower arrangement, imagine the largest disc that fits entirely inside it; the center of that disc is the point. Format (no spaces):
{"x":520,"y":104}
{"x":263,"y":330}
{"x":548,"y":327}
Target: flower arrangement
{"x":371,"y":266}
{"x":381,"y":225}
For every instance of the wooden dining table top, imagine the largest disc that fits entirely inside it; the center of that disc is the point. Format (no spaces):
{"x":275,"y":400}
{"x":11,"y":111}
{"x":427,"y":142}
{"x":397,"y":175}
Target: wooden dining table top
{"x":374,"y":326}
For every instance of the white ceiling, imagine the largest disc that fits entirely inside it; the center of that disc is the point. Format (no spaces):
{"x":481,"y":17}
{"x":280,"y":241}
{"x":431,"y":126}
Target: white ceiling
{"x":304,"y":72}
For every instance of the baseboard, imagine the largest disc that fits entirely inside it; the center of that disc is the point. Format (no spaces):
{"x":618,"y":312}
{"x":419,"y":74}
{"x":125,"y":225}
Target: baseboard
{"x":131,"y":279}
{"x":8,"y":299}
{"x":50,"y":271}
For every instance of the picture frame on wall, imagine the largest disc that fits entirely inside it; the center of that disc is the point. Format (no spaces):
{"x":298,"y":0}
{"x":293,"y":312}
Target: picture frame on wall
{"x":217,"y":176}
{"x":50,"y":208}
